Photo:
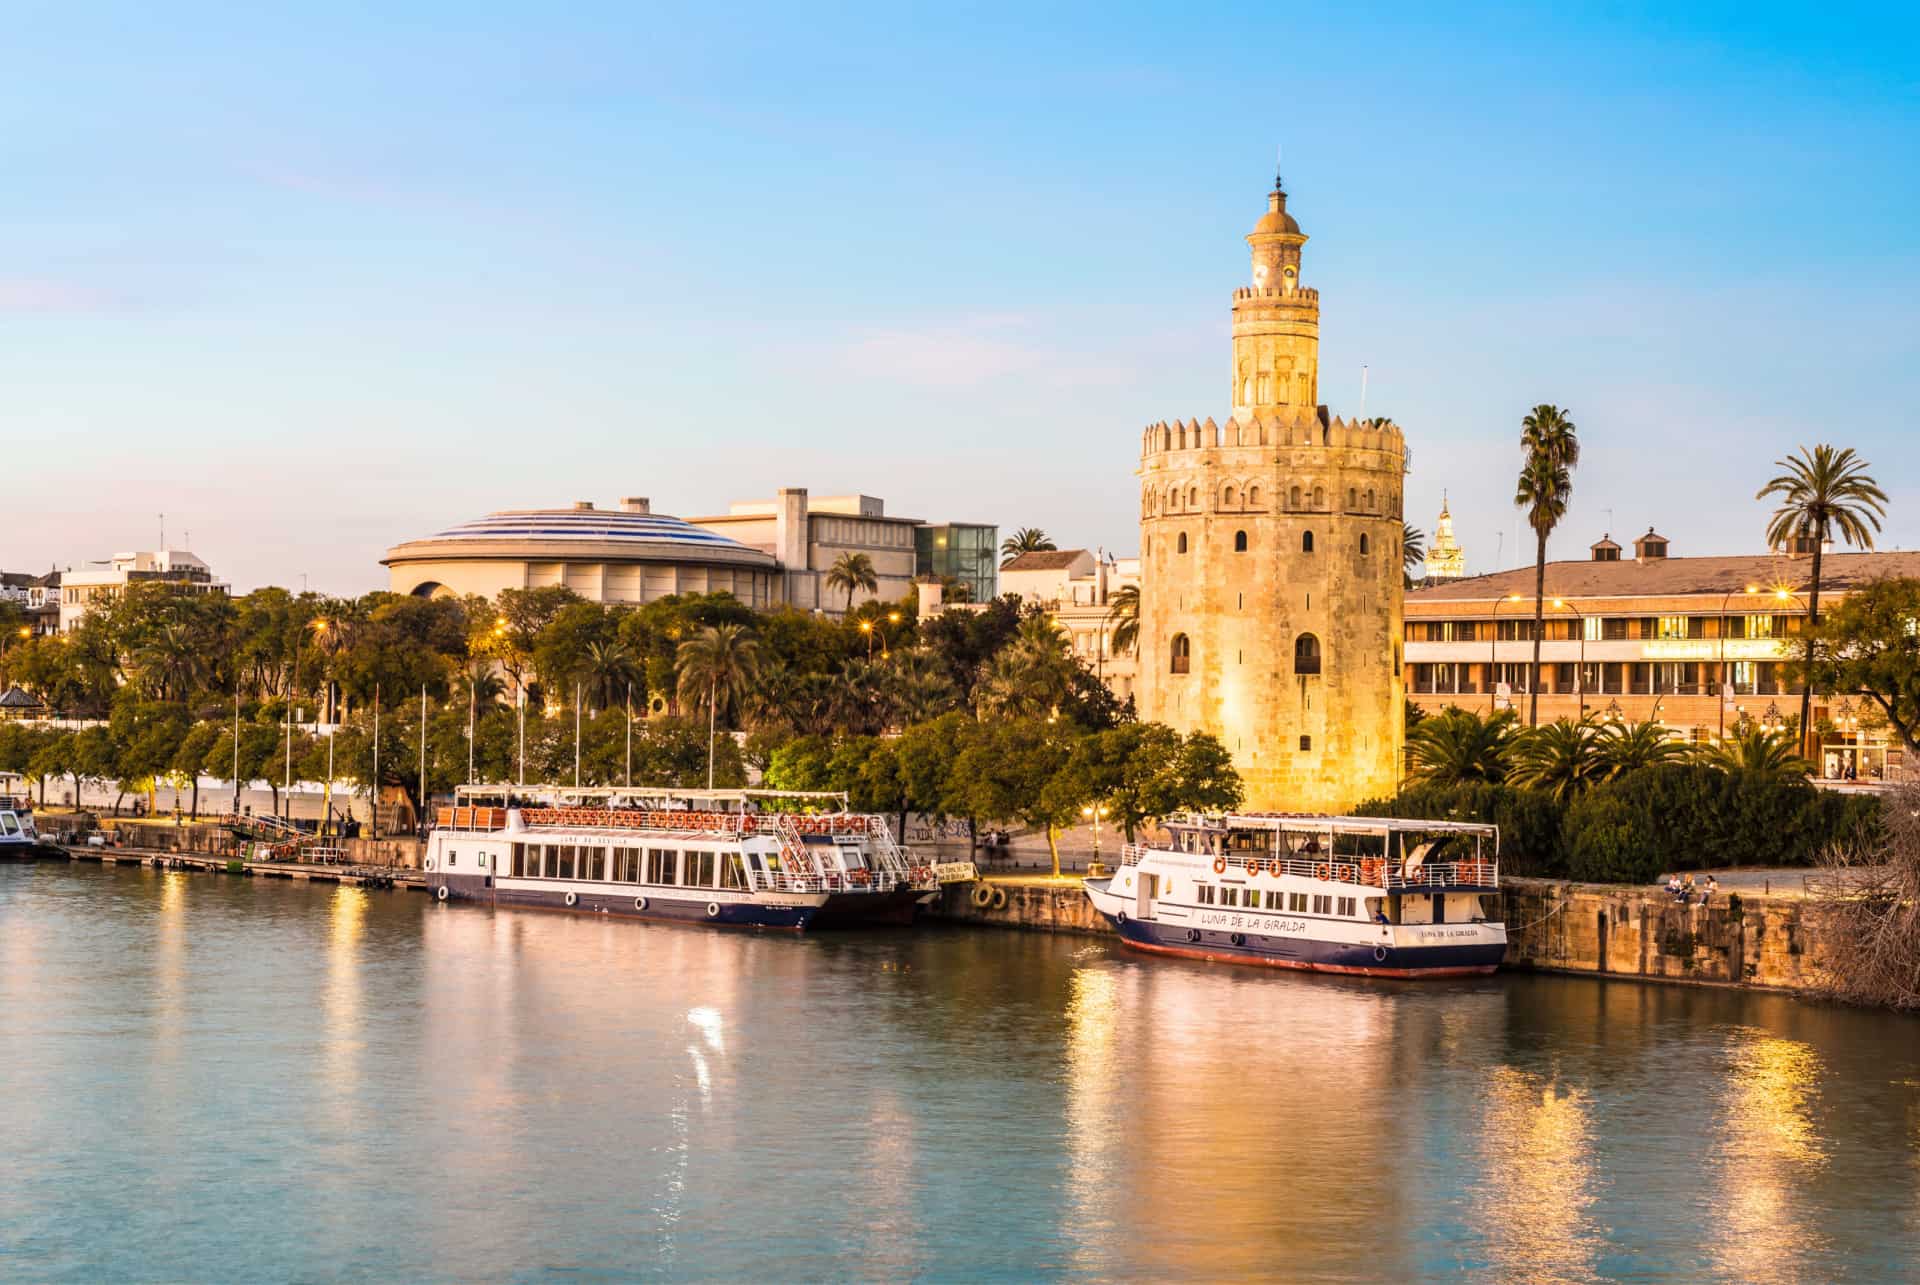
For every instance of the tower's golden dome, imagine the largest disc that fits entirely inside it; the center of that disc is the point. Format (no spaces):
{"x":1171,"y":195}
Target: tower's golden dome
{"x":1276,"y":221}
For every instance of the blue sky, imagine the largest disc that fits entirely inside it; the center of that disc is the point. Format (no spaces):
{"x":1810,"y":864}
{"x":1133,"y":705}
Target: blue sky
{"x":316,"y":279}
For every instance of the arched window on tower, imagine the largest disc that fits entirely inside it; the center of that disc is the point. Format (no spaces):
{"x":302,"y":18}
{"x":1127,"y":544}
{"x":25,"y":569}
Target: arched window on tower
{"x":1180,"y":655}
{"x":1306,"y":654}
{"x":1353,"y":498}
{"x":1293,"y":498}
{"x":1239,"y":541}
{"x":1253,"y":495}
{"x":1226,"y":497}
{"x":1260,"y":388}
{"x":1306,"y":542}
{"x":1369,"y":499}
{"x":1363,"y":544}
{"x":1193,"y":497}
{"x":1319,"y":497}
{"x":1180,"y":545}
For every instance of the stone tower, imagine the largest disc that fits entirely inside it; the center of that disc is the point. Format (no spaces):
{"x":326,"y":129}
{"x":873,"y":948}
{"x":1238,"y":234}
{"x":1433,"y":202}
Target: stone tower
{"x":1270,"y":590}
{"x":1446,"y":560}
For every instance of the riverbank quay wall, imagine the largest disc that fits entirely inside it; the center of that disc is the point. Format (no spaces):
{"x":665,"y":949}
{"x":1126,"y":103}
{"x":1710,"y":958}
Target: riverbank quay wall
{"x":1602,"y":930}
{"x":204,"y":839}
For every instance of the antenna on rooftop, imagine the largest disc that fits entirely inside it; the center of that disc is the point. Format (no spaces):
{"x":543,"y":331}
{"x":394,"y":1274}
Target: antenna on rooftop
{"x":163,"y":531}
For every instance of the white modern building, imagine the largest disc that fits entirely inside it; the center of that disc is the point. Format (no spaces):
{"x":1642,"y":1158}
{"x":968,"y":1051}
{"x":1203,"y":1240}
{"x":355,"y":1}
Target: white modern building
{"x":101,"y":581}
{"x":1078,"y":587}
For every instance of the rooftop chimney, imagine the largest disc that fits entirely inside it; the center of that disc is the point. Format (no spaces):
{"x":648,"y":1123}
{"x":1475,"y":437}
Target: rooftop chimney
{"x":1650,"y":546}
{"x":637,"y":504}
{"x":1605,"y":550}
{"x":582,"y":504}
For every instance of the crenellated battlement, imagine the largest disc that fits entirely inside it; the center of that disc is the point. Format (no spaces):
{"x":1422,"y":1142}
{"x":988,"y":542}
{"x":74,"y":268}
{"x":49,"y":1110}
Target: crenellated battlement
{"x":1301,"y":428}
{"x":1302,"y":294}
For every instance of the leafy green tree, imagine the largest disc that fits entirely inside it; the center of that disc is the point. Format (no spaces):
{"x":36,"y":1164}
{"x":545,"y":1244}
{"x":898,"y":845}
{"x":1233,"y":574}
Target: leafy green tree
{"x":52,"y":753}
{"x":1458,"y":746}
{"x":1610,"y":841}
{"x":1016,"y":770}
{"x":189,"y":757}
{"x":852,"y":572}
{"x":1552,"y":448}
{"x":1823,"y":493}
{"x":1870,"y":645}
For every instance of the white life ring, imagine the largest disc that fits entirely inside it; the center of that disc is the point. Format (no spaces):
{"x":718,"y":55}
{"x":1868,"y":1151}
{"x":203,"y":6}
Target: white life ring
{"x":429,"y":863}
{"x":441,"y":892}
{"x":573,"y":898}
{"x":713,"y":910}
{"x":639,"y":903}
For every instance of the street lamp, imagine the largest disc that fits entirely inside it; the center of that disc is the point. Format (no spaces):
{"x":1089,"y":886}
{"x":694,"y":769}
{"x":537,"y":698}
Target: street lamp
{"x":866,"y":627}
{"x":1580,"y":674}
{"x":1493,"y":648}
{"x":1093,"y":812}
{"x":1722,"y":693}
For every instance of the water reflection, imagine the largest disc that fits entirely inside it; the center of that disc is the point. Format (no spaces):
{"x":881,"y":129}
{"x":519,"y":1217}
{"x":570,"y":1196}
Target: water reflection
{"x":1535,"y":1199}
{"x":1096,"y":1130}
{"x":1766,"y":1150}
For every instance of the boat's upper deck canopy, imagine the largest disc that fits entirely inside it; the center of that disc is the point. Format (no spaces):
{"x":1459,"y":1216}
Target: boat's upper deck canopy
{"x":1388,"y":852}
{"x":668,"y":797}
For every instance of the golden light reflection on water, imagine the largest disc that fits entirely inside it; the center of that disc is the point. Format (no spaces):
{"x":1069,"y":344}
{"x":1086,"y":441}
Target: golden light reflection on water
{"x":346,"y":924}
{"x":1767,"y":1148}
{"x":1537,"y":1193}
{"x":170,"y":984}
{"x":1095,"y":1129}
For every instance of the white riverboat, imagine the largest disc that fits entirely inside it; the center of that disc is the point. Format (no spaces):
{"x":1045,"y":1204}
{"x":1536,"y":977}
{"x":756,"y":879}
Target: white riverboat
{"x":1370,"y":895}
{"x":19,"y":841}
{"x":731,"y":858}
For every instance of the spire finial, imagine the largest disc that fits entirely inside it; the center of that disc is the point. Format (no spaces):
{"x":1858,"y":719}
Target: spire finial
{"x":1279,"y":154}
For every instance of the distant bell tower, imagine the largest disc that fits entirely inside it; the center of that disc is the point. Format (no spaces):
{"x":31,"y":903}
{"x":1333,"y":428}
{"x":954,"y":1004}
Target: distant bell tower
{"x":1446,"y":560}
{"x":1276,"y":322}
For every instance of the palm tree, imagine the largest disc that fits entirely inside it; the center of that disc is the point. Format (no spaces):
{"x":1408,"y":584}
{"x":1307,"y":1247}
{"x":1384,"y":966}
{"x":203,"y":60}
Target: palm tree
{"x":1028,"y":539}
{"x":721,"y":661}
{"x":1627,"y":747}
{"x":1757,"y":750}
{"x":1459,"y":747}
{"x":1413,"y":551}
{"x":853,"y":572}
{"x":1561,"y":758}
{"x":1032,"y":675}
{"x":610,"y":669}
{"x":920,"y":687}
{"x":1123,"y":613}
{"x":1824,"y":492}
{"x":481,"y":681}
{"x":1552,"y":449}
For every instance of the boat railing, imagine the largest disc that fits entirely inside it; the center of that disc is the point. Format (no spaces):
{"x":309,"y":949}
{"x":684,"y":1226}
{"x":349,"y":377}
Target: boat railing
{"x":890,"y":858}
{"x":16,"y":802}
{"x":1376,"y":872}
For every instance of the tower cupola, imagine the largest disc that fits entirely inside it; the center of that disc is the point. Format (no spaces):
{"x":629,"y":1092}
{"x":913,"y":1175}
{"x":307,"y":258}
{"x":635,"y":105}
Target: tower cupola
{"x":1276,"y":240}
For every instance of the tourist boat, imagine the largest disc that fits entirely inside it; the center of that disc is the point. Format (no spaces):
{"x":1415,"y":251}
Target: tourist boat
{"x":19,"y":841}
{"x":732,"y":858}
{"x":1375,"y":896}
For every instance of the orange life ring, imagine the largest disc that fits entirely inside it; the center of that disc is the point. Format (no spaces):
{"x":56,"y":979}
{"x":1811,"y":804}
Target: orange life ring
{"x":1323,"y":871}
{"x":1346,"y":874}
{"x":1276,"y":867}
{"x":1219,"y":865}
{"x":1370,"y":870}
{"x":747,"y":823}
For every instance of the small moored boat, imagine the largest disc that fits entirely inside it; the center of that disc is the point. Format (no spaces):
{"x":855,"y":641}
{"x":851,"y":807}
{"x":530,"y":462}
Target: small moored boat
{"x":1371,"y":895}
{"x":19,"y":841}
{"x":731,"y":858}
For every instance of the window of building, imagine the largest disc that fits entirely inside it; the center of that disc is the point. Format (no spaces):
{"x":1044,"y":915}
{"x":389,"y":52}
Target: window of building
{"x":1193,"y":497}
{"x":1306,"y":654}
{"x":1306,"y":744}
{"x":1181,"y":654}
{"x":1293,"y":498}
{"x":1226,"y":497}
{"x":1613,"y":628}
{"x":1353,"y":498}
{"x":1239,"y":541}
{"x":1363,"y":544}
{"x":1759,"y":627}
{"x":1319,"y":497}
{"x":1253,"y":492}
{"x":1180,"y":544}
{"x":1306,"y":542}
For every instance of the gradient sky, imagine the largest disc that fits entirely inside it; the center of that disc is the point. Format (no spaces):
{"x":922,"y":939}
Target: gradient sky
{"x":316,"y":279}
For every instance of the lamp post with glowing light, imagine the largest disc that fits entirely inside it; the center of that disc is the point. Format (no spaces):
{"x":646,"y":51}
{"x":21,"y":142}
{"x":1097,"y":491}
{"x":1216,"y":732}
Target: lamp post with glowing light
{"x":1580,"y":674}
{"x":1093,"y":812}
{"x":1493,"y":650}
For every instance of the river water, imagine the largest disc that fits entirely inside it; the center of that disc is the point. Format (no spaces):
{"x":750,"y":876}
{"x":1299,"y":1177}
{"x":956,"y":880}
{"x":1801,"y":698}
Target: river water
{"x":218,"y":1079}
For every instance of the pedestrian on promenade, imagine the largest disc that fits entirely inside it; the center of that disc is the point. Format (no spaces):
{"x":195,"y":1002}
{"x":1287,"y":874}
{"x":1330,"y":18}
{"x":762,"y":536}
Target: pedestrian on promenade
{"x":1673,"y":885}
{"x":1706,"y":893}
{"x":1686,"y":890}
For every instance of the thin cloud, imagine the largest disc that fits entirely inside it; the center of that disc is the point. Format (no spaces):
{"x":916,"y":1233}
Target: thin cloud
{"x":32,"y":295}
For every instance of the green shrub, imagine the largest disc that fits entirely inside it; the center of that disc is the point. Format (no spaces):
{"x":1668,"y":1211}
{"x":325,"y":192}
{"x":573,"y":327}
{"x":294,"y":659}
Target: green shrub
{"x":1610,"y":840}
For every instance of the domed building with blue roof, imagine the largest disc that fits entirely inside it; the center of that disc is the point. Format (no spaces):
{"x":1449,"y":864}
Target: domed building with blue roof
{"x":629,"y":554}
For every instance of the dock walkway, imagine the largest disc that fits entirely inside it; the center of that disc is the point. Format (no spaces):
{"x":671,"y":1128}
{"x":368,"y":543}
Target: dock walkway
{"x":351,"y":875}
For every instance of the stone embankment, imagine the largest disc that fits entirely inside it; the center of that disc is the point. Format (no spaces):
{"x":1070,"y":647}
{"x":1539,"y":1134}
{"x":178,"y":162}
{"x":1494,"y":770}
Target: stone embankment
{"x":203,"y":839}
{"x":1598,"y":929}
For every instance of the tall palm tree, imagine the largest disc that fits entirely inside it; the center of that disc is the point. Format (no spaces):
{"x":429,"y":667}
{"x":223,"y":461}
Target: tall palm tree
{"x":1413,"y":551}
{"x":720,"y":662}
{"x":1458,"y":747}
{"x":1823,"y":493}
{"x":1123,"y":613}
{"x":1028,"y":539}
{"x":853,"y":572}
{"x":1552,"y":447}
{"x":1031,"y":675}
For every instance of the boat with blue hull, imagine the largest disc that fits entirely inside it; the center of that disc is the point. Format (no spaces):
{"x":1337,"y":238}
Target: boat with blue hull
{"x":724,"y":858}
{"x":1374,"y":896}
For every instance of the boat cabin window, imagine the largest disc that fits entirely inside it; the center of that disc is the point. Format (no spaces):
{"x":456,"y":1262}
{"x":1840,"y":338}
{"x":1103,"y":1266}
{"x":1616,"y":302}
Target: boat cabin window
{"x":699,"y":869}
{"x":1203,"y":893}
{"x":453,"y":858}
{"x":731,"y":875}
{"x":1345,"y":907}
{"x":1377,"y":910}
{"x":1229,"y":896}
{"x":1247,"y":841}
{"x":1297,"y":902}
{"x":627,"y":865}
{"x":1322,"y":905}
{"x":8,"y":826}
{"x":1276,"y":900}
{"x":663,"y":865}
